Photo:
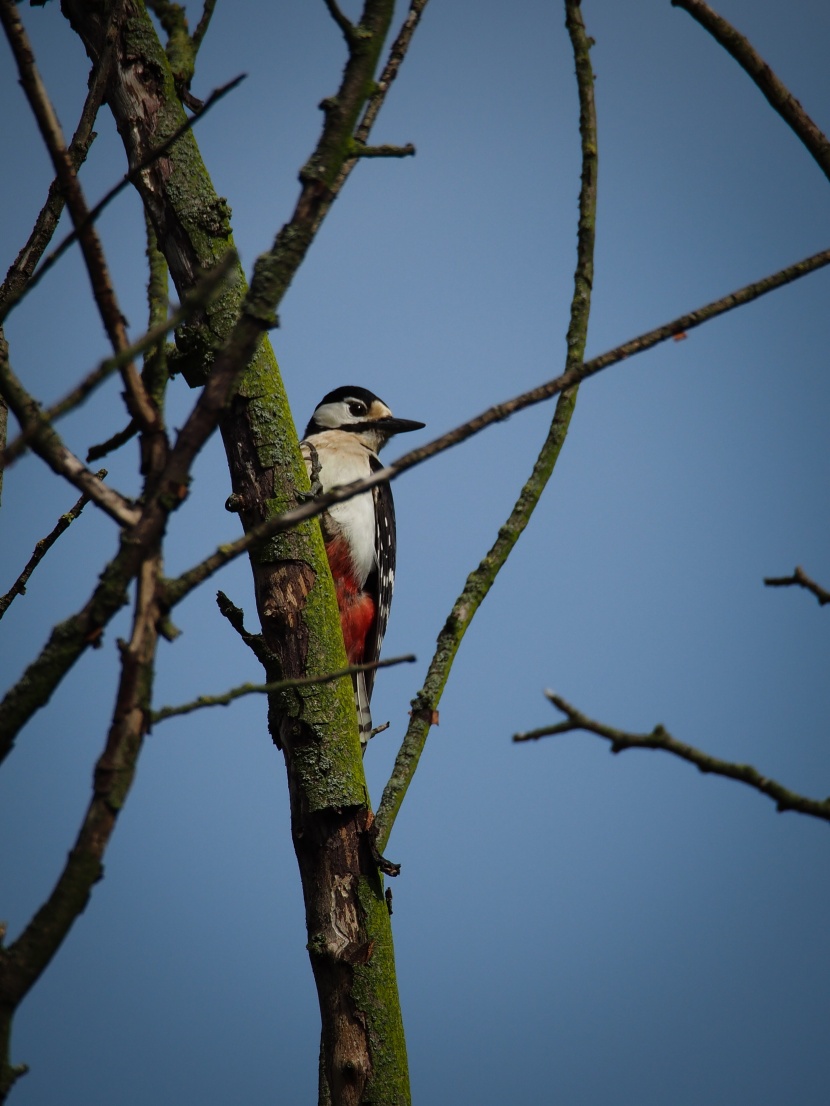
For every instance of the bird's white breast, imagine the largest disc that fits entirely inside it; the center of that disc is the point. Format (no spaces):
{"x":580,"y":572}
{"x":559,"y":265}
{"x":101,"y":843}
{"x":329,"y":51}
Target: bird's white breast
{"x":344,"y":459}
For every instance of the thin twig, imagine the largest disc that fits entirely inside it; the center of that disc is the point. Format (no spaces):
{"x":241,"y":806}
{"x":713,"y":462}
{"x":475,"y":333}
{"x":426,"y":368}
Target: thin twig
{"x":777,"y":94}
{"x":24,"y":264}
{"x":384,"y":151}
{"x":397,"y":53}
{"x":184,"y":584}
{"x":138,"y":402}
{"x":660,"y":738}
{"x":128,"y":179}
{"x":4,"y":425}
{"x":115,"y":441}
{"x":340,"y":19}
{"x":202,"y":25}
{"x":266,"y":689}
{"x":375,"y":102}
{"x":800,"y":579}
{"x":46,"y":442}
{"x":236,"y":617}
{"x":42,"y":548}
{"x":24,"y":961}
{"x":203,"y":293}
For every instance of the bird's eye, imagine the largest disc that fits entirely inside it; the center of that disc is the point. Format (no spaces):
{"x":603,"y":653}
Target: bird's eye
{"x":356,"y":407}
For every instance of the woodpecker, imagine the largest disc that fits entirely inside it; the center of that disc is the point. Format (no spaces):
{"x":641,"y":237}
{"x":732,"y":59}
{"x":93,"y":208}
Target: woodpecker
{"x":348,"y":429}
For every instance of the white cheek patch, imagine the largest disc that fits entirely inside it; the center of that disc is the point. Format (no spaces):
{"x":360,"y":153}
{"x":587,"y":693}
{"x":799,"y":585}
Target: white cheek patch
{"x":331,"y":415}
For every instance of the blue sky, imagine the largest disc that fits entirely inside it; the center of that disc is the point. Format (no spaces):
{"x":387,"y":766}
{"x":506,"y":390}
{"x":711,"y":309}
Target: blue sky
{"x":570,"y":927}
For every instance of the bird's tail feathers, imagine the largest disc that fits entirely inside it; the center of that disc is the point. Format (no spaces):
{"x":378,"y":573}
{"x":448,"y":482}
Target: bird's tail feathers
{"x":364,"y":715}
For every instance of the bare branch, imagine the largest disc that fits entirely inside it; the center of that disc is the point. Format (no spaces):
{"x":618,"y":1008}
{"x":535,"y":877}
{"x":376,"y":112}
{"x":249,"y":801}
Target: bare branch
{"x":129,"y":178}
{"x":47,"y":444}
{"x":115,"y":441}
{"x":43,"y":547}
{"x":182,"y":47}
{"x":138,"y":402}
{"x":425,"y":704}
{"x":660,"y":738}
{"x":375,"y":102}
{"x":236,"y":617}
{"x":204,"y":292}
{"x":25,"y":960}
{"x":202,"y":25}
{"x":278,"y":685}
{"x":384,"y":151}
{"x":800,"y":579}
{"x":346,"y":26}
{"x":184,"y":584}
{"x":777,"y":94}
{"x":4,"y":424}
{"x":24,"y":264}
{"x":397,"y":53}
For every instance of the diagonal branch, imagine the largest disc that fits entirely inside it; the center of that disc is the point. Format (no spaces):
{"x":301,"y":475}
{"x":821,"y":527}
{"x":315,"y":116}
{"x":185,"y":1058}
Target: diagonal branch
{"x":42,"y":548}
{"x":48,"y":445}
{"x":478,"y":584}
{"x":397,"y":53}
{"x":799,"y":579}
{"x":130,"y":177}
{"x":202,"y":25}
{"x":312,"y":508}
{"x":4,"y":422}
{"x":23,"y":267}
{"x":138,"y":402}
{"x":25,"y":960}
{"x":660,"y":738}
{"x":777,"y":94}
{"x":345,"y":25}
{"x":210,"y":286}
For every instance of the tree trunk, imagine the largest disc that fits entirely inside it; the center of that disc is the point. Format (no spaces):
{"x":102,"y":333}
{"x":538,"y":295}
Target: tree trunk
{"x":349,"y":934}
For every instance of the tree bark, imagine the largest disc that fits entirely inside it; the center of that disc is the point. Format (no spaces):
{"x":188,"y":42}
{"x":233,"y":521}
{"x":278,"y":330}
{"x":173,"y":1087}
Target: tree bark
{"x":349,"y":935}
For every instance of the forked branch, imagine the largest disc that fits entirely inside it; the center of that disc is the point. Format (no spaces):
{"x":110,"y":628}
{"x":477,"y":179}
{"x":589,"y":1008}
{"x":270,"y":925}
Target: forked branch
{"x":203,"y":294}
{"x":20,"y":272}
{"x":138,"y":402}
{"x":46,"y":442}
{"x":799,"y":579}
{"x":660,"y":738}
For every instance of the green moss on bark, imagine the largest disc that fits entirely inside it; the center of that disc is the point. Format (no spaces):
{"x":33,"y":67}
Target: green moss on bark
{"x":375,"y":991}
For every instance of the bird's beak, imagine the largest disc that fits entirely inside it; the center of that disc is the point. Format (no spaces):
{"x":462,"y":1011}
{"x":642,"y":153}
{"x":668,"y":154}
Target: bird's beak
{"x":391,"y":425}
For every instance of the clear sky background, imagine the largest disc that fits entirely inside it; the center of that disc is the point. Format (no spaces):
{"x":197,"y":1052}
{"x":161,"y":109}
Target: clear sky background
{"x":571,"y":927}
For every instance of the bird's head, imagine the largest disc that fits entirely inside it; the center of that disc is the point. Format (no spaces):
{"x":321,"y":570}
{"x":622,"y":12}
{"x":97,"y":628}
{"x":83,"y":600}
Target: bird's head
{"x":360,"y":412}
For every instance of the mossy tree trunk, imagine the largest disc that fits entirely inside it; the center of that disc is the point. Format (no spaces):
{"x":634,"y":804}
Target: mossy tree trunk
{"x":349,"y":935}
